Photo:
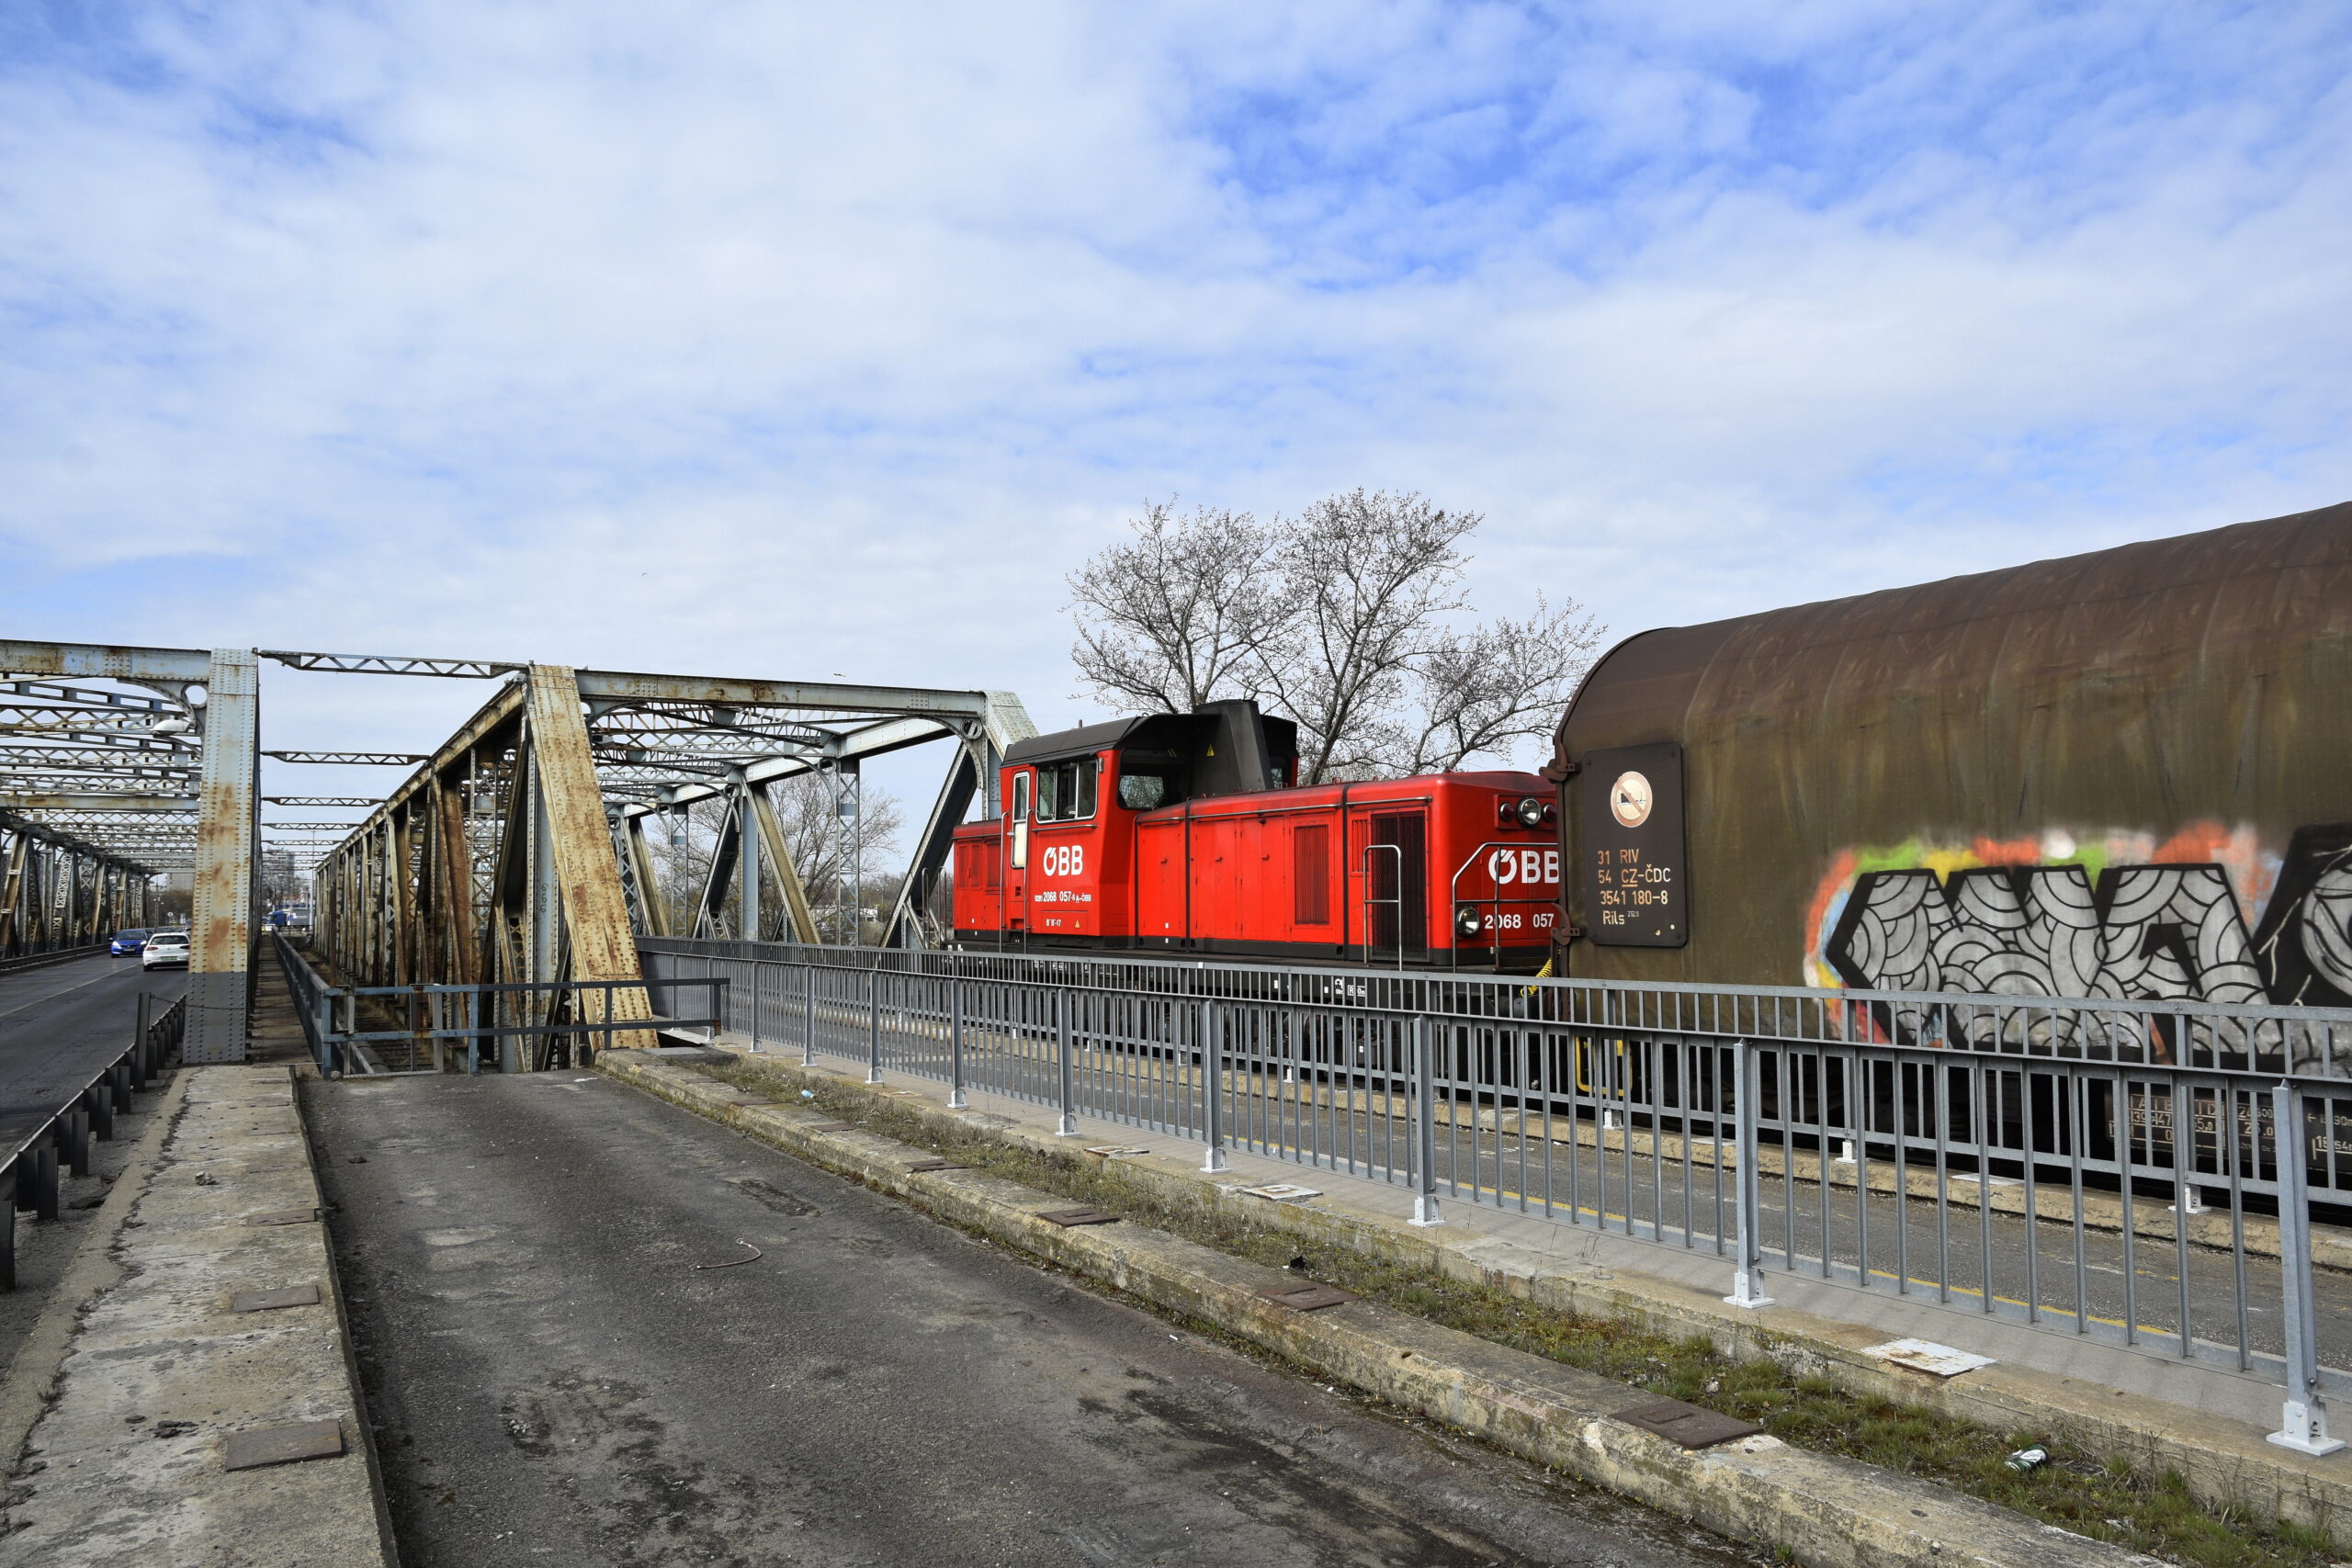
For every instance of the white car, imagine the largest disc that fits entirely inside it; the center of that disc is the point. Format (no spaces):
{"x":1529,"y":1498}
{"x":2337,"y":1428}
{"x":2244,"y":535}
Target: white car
{"x":164,"y":949}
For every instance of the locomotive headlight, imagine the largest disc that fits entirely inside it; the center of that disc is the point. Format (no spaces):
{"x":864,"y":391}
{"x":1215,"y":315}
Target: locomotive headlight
{"x":1530,"y":812}
{"x":1467,"y":920}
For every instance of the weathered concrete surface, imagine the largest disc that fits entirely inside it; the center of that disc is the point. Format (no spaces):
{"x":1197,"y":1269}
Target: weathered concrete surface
{"x":126,"y":1467}
{"x":87,"y":1239}
{"x":2187,"y":1419}
{"x":1827,"y":1511}
{"x":562,"y":1377}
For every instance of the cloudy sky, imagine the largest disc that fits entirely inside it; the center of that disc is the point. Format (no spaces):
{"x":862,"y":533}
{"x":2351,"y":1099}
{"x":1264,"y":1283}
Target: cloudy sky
{"x":789,"y":339}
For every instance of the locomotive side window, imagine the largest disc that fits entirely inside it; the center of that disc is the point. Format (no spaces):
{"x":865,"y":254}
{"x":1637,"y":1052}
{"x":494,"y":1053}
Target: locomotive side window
{"x":1310,"y":859}
{"x":1152,"y":778}
{"x":1066,"y":791}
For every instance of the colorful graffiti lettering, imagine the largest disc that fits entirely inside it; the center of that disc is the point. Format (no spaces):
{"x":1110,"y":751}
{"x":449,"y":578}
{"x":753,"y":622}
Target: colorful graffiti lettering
{"x":2207,"y":915}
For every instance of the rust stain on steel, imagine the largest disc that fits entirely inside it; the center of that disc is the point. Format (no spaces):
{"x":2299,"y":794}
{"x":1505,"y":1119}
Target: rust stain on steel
{"x":2136,"y":688}
{"x":105,"y":660}
{"x":595,"y":910}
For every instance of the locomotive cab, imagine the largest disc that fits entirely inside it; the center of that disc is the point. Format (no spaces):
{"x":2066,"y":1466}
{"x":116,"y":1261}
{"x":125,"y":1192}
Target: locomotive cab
{"x":1189,"y":833}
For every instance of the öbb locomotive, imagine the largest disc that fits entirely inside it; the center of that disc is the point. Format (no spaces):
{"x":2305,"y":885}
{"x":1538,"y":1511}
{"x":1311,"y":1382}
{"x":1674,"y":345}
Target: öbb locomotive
{"x":1190,"y":834}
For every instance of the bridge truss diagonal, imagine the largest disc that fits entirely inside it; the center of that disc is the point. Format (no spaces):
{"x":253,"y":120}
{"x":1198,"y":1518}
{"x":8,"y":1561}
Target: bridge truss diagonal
{"x":514,"y":860}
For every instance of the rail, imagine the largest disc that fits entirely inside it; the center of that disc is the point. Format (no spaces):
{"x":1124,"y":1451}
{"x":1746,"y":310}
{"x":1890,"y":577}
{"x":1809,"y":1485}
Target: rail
{"x":2115,"y":1196}
{"x":32,"y":1175}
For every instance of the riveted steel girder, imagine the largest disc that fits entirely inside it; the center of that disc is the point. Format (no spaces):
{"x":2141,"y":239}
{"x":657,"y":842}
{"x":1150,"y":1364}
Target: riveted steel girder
{"x":350,"y":758}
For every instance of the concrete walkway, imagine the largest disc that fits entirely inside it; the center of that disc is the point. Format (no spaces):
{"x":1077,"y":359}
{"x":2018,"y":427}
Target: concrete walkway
{"x":204,"y":1410}
{"x":575,"y":1356}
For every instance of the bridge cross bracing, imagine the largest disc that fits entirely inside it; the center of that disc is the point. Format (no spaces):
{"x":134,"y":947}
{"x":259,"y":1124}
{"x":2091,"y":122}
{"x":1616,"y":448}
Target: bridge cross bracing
{"x":514,"y":854}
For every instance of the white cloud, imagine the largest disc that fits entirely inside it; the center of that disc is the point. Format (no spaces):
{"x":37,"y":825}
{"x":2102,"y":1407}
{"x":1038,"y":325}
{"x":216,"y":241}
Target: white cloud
{"x":789,"y":340}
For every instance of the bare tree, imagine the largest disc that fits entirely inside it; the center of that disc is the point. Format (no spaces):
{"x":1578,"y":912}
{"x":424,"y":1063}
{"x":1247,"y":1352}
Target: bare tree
{"x":1345,"y":617}
{"x":1372,"y":576}
{"x":1482,"y":691}
{"x":1180,"y":616}
{"x":816,"y":836}
{"x":819,"y":840}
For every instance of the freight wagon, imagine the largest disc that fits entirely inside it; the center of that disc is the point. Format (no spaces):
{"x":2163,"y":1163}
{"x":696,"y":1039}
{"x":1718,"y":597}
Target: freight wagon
{"x":2122,"y":774}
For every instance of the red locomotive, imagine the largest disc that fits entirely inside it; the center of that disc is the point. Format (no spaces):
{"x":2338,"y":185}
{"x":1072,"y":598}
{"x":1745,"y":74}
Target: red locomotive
{"x":1188,"y":833}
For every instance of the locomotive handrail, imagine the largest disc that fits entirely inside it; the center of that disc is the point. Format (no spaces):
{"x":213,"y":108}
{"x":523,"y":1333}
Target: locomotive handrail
{"x":1456,"y":901}
{"x":1364,"y":863}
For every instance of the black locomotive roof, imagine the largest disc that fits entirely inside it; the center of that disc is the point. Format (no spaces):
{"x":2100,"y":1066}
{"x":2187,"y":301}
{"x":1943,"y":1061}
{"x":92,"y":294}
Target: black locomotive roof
{"x":1172,"y":730}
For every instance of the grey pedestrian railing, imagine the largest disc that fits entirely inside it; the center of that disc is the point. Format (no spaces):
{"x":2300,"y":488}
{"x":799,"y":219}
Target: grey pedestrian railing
{"x":2066,"y":1166}
{"x":556,"y":1023}
{"x":32,"y":1173}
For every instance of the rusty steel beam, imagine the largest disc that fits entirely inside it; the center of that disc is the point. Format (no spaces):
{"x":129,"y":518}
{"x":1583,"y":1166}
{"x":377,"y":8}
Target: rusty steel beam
{"x":178,"y":666}
{"x":820,"y":697}
{"x":91,"y":800}
{"x":580,"y":844}
{"x":88,"y":697}
{"x":221,"y":929}
{"x":354,"y":800}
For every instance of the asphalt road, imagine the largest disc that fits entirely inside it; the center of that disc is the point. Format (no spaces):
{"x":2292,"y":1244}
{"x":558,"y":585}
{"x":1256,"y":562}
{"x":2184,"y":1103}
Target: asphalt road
{"x":558,"y":1372}
{"x":60,"y":1023}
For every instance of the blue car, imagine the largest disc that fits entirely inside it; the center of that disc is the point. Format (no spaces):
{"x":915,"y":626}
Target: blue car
{"x":128,"y":942}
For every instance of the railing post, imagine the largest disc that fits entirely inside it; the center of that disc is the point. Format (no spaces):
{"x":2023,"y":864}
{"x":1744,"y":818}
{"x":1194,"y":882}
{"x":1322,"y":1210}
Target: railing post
{"x":874,"y":1026}
{"x":755,"y":1006}
{"x":1213,"y":1087}
{"x":2302,"y":1423}
{"x":809,"y":1016}
{"x":1747,"y":1182}
{"x":1424,"y":1144}
{"x":45,"y":1192}
{"x":322,"y":1026}
{"x":957,"y":1099}
{"x":1069,"y":1128}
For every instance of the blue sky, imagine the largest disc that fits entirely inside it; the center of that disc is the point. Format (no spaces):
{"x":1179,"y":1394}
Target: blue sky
{"x":787,"y":340}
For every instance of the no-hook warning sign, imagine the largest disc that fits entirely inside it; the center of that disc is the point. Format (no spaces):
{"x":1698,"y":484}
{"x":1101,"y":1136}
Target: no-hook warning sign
{"x":1635,"y":894}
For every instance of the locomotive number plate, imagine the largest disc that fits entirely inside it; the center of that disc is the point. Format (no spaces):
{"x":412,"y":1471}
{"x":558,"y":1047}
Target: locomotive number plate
{"x":1631,"y":857}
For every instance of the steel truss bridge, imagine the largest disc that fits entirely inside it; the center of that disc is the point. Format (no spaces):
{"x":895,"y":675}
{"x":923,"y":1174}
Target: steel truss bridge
{"x":513,"y":855}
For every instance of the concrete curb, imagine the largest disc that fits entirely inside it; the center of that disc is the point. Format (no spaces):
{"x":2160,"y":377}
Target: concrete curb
{"x":2223,"y":1462}
{"x":165,"y":1381}
{"x":1827,"y":1511}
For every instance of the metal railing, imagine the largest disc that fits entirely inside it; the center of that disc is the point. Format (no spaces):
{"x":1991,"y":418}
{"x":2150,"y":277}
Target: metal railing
{"x":2035,"y":1160}
{"x":550,"y":1024}
{"x":53,"y":955}
{"x":32,"y":1174}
